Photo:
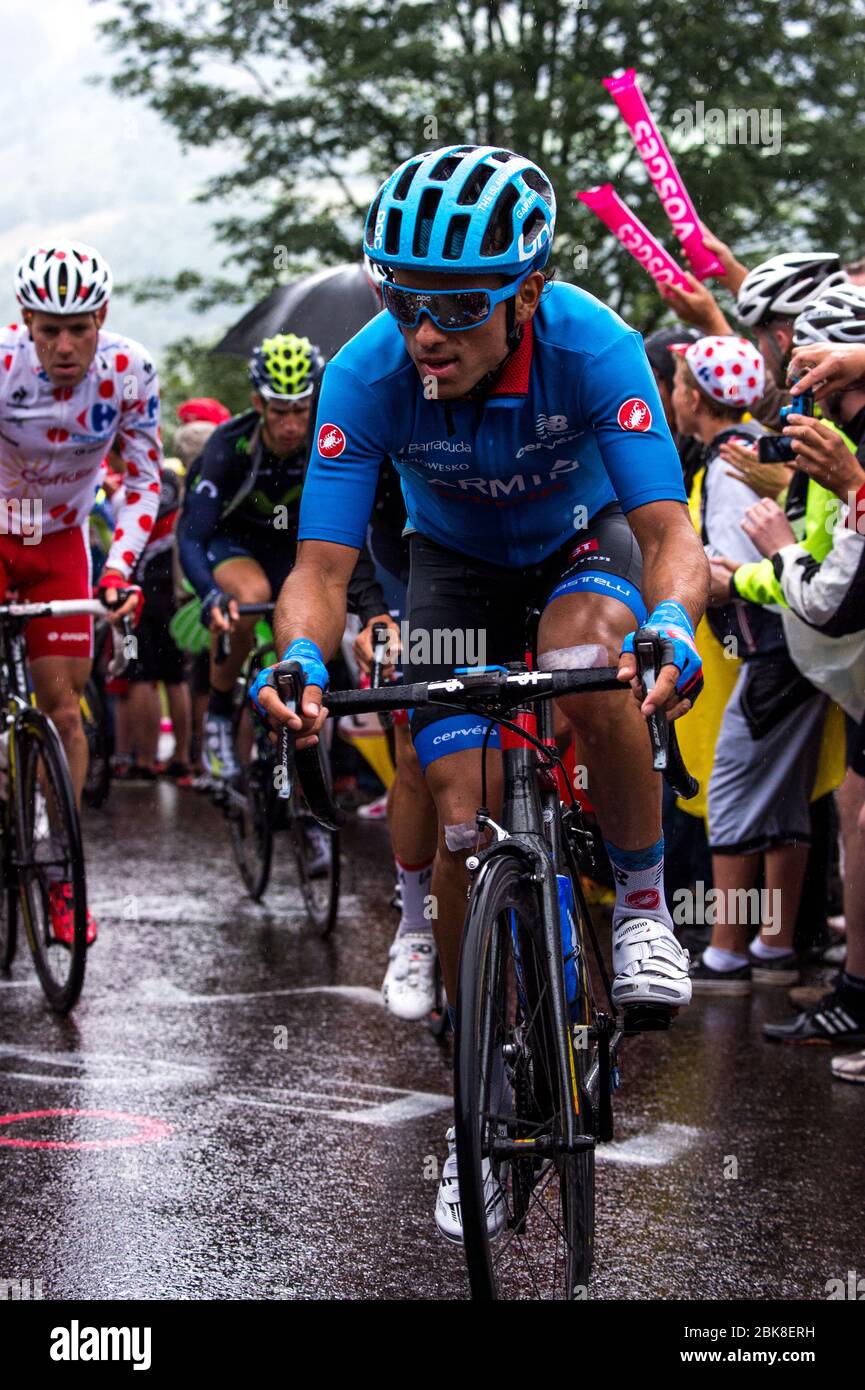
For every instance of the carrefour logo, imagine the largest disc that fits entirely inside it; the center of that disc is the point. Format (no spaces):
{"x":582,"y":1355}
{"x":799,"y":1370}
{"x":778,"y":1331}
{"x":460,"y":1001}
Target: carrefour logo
{"x":99,"y":417}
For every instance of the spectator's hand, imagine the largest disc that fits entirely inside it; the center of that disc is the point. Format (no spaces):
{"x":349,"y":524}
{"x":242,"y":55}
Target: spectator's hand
{"x":735,"y":271}
{"x":766,"y":479}
{"x":827,"y":367}
{"x":823,"y":455}
{"x":697,"y":306}
{"x":767,"y":526}
{"x":720,"y":571}
{"x":363,"y":645}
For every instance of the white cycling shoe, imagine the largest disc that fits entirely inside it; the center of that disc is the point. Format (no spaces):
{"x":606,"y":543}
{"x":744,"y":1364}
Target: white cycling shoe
{"x":449,"y":1216}
{"x":649,"y":964}
{"x":408,"y":990}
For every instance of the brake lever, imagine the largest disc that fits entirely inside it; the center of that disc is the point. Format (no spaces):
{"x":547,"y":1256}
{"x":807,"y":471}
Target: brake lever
{"x":380,"y":636}
{"x":289,"y":688}
{"x":124,"y":646}
{"x":647,"y":649}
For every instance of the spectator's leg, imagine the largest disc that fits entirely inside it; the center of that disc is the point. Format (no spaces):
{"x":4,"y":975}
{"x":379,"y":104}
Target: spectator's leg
{"x":144,"y":718}
{"x":785,"y":873}
{"x":180,"y":709}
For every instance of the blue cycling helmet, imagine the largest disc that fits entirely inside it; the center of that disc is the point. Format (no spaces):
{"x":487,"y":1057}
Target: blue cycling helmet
{"x":464,"y":208}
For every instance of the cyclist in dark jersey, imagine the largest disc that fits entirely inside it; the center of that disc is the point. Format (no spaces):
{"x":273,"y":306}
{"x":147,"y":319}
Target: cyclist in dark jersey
{"x":238,"y":532}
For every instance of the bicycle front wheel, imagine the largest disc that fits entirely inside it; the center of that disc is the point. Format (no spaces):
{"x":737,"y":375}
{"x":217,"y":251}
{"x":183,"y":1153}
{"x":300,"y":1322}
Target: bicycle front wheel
{"x":8,"y":887}
{"x":525,"y":1202}
{"x":48,"y":853}
{"x":316,"y":854}
{"x":250,"y":802}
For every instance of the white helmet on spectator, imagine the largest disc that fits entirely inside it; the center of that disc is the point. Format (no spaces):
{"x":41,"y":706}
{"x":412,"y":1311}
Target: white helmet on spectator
{"x":837,"y":316}
{"x":781,"y":287}
{"x":729,"y":369}
{"x":66,"y":278}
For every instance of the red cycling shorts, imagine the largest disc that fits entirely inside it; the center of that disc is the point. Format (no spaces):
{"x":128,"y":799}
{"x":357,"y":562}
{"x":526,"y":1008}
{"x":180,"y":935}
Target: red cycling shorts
{"x":58,"y":566}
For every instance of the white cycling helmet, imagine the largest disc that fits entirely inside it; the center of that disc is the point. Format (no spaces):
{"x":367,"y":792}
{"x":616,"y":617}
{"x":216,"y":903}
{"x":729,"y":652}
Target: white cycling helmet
{"x":66,"y":278}
{"x":374,"y":274}
{"x":781,"y":287}
{"x":837,"y":316}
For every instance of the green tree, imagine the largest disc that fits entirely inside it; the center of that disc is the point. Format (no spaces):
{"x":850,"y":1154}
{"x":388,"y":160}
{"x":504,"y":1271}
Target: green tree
{"x":315,"y":101}
{"x":188,"y":368}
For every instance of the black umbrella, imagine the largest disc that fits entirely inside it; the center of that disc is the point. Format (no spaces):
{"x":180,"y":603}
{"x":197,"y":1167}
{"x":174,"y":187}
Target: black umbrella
{"x":328,"y":307}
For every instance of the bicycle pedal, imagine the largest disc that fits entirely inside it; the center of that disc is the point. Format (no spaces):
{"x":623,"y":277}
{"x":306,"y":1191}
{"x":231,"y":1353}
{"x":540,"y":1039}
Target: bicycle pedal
{"x":646,"y":1018}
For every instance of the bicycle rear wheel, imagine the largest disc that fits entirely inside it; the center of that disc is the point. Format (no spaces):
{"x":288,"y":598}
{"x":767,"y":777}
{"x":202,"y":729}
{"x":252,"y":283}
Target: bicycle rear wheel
{"x":511,"y":1100}
{"x":48,"y":851}
{"x":94,"y":716}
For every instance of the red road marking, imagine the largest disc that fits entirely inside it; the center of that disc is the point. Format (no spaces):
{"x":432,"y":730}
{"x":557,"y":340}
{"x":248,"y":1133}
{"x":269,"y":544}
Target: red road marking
{"x":146,"y":1132}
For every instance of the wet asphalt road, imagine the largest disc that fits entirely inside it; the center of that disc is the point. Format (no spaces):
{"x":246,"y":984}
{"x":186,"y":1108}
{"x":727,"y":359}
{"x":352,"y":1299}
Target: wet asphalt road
{"x":283,"y":1131}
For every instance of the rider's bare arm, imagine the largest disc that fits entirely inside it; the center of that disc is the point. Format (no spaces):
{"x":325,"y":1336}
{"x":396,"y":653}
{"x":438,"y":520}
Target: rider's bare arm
{"x":312,"y":604}
{"x":674,"y":567}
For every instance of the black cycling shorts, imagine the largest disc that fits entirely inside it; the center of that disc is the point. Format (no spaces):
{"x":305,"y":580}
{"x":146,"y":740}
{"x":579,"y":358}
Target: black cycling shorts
{"x":273,"y":550}
{"x":465,"y":612}
{"x":159,"y":657}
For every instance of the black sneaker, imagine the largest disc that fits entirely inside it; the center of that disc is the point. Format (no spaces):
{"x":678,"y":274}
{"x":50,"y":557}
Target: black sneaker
{"x":780,"y":970}
{"x":705,"y":980}
{"x":829,"y":1022}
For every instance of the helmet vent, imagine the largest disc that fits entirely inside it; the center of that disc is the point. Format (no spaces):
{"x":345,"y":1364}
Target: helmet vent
{"x":423,"y":226}
{"x":391,"y":237}
{"x":499,"y":233}
{"x":475,"y":184}
{"x":502,"y":156}
{"x":533,"y":227}
{"x":446,"y":167}
{"x":456,"y":236}
{"x":405,"y":181}
{"x":536,"y":181}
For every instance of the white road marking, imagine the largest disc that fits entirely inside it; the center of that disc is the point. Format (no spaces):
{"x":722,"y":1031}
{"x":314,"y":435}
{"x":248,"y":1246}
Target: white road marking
{"x":162,"y":991}
{"x":409,"y":1105}
{"x":659,"y":1146}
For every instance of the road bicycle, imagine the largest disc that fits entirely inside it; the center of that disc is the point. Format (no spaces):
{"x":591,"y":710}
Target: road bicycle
{"x":40,"y":833}
{"x":538,"y":1037}
{"x":257,"y":805}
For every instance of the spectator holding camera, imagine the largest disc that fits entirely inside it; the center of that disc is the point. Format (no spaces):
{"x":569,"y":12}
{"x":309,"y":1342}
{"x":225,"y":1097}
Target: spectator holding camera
{"x":826,"y":623}
{"x":758,"y":797}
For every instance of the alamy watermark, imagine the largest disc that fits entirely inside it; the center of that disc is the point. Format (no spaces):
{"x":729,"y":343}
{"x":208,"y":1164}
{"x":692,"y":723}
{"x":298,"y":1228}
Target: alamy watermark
{"x":21,"y":516}
{"x":733,"y":126}
{"x":744,"y":907}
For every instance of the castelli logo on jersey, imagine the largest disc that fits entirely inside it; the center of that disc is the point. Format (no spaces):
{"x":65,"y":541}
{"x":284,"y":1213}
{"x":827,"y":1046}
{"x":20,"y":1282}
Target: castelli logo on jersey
{"x":331,"y":441}
{"x":634,"y":414}
{"x":643,"y":897}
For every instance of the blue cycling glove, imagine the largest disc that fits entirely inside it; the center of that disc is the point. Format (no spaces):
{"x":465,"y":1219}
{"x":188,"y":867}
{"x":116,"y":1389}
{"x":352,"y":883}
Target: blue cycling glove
{"x":308,"y":658}
{"x":679,"y":647}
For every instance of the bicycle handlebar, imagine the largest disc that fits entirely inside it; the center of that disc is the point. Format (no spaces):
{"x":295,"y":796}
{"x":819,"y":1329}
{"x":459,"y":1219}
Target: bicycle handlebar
{"x":485,"y":692}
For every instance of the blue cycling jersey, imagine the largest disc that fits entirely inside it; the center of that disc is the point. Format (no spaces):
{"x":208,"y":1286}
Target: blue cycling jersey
{"x":574,"y":423}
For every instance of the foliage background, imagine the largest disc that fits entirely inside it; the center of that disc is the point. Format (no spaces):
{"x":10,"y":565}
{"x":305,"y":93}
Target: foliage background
{"x":314,"y":101}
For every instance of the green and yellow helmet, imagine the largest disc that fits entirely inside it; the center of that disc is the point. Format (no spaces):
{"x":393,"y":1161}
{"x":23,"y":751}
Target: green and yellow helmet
{"x":285,"y":367}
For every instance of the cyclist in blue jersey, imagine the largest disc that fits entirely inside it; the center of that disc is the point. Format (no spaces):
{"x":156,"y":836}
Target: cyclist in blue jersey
{"x":538,"y":471}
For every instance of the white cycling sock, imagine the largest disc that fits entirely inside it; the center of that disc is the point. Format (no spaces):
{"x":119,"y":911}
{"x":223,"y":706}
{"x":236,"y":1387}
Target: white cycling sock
{"x":717,"y":958}
{"x":764,"y":952}
{"x":639,"y":878}
{"x":414,"y":882}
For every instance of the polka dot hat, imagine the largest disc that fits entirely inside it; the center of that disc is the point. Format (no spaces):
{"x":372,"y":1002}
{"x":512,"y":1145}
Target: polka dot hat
{"x":729,"y":369}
